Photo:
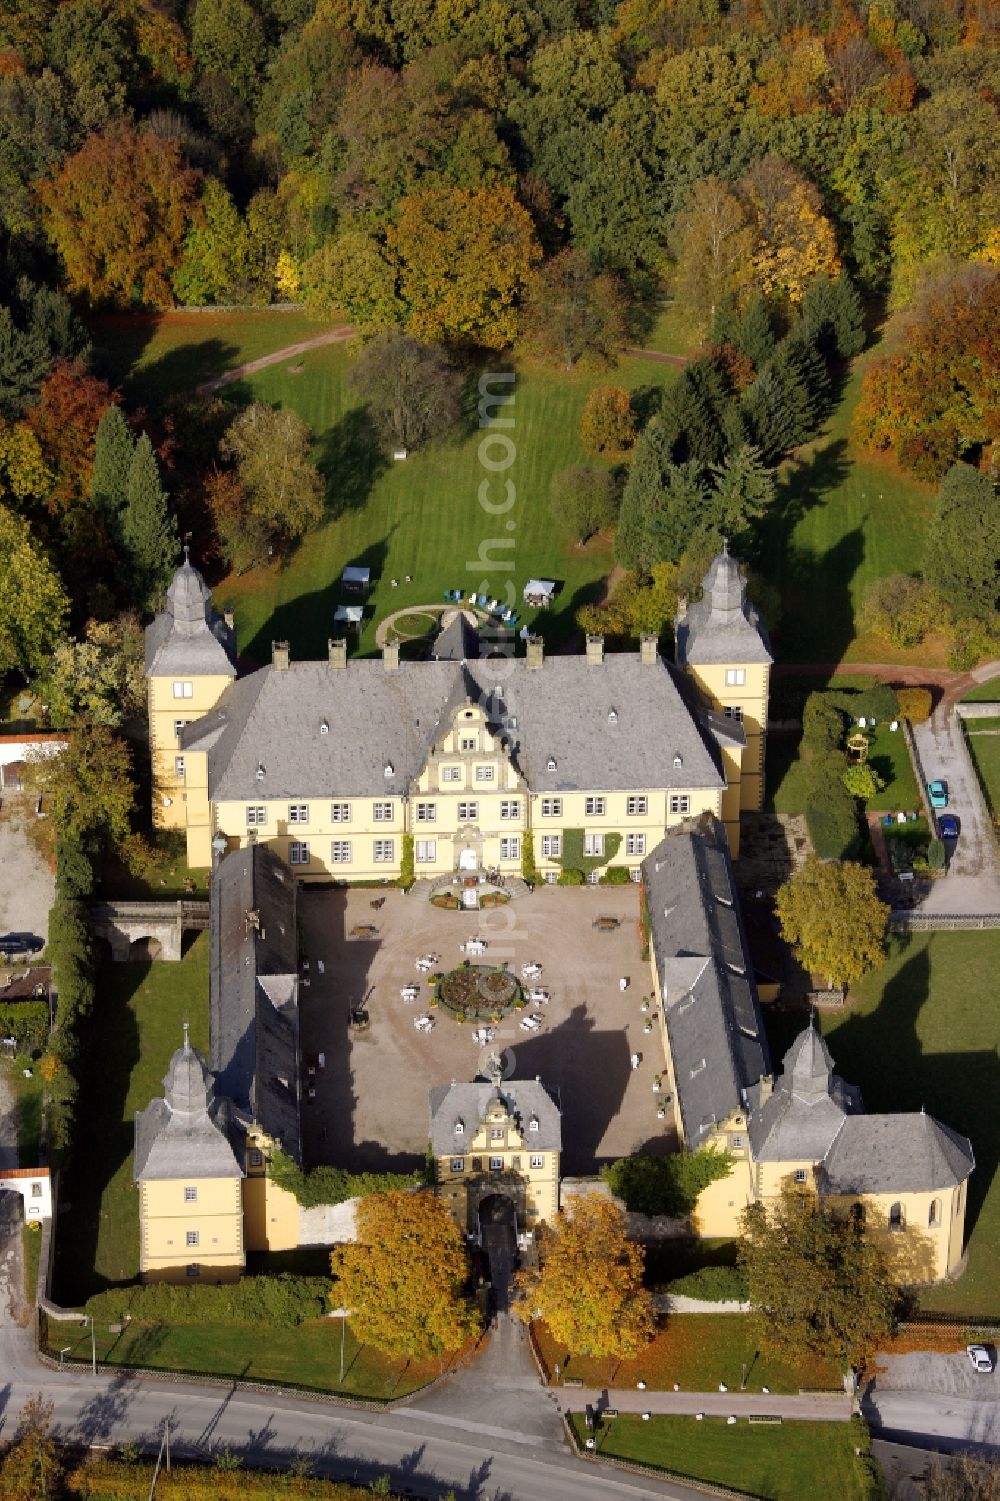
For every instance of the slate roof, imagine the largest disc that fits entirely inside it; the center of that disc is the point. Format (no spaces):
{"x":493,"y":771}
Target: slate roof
{"x":458,"y":641}
{"x":468,"y":1103}
{"x":270,"y":721}
{"x":188,"y":637}
{"x":909,"y":1153}
{"x":801,"y":1119}
{"x":711,"y":1011}
{"x":722,"y":626}
{"x":187,"y":1134}
{"x":253,"y":1001}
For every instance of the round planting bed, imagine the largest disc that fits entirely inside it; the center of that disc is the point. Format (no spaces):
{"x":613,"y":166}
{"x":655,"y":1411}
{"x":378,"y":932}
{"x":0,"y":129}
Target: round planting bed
{"x":478,"y":992}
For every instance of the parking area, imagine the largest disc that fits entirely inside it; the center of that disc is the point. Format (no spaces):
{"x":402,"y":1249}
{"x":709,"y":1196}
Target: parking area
{"x":370,"y":1109}
{"x":27,"y":885}
{"x":973,"y":881}
{"x":951,"y":1375}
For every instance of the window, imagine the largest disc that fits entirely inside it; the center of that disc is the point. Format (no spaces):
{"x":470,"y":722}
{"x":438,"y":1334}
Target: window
{"x":382,"y":812}
{"x":734,"y":711}
{"x":298,"y":813}
{"x":551,"y":807}
{"x":451,"y":773}
{"x":635,"y":875}
{"x":736,"y":677}
{"x":496,"y":1133}
{"x":340,"y":812}
{"x":425,"y":851}
{"x":469,"y":742}
{"x":593,"y":845}
{"x":537,"y":1161}
{"x":190,"y":1195}
{"x":340,"y":851}
{"x":551,"y":877}
{"x":596,"y":807}
{"x":551,"y":846}
{"x":427,"y":812}
{"x":496,"y":1164}
{"x":637,"y":807}
{"x":256,"y":815}
{"x":178,"y":726}
{"x":510,"y":848}
{"x":179,"y":766}
{"x":468,"y":812}
{"x":298,"y":853}
{"x":183,"y":690}
{"x":934,"y":1214}
{"x":593,"y":877}
{"x":485,"y":773}
{"x":510,"y":809}
{"x":801,"y":1176}
{"x":36,"y":1190}
{"x":533,"y":1123}
{"x":256,"y":1159}
{"x":385,"y":851}
{"x":635,"y":844}
{"x":192,"y":1237}
{"x":896,"y":1219}
{"x":680,"y":803}
{"x":459,"y":1127}
{"x":458,"y":1164}
{"x":194,"y":1269}
{"x":736,"y":1142}
{"x":515,"y":1163}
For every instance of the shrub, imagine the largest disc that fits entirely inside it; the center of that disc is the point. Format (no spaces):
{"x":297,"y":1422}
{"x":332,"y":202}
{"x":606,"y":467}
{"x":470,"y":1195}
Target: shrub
{"x":615,"y":875}
{"x":914,"y":704}
{"x":333,"y":1185}
{"x":714,"y":1284}
{"x":280,"y":1301}
{"x":665,"y":1185}
{"x":936,"y":855}
{"x":822,"y":723}
{"x":830,"y":811}
{"x":571,"y":878}
{"x":862,"y":781}
{"x":973,"y":639}
{"x":901,"y":609}
{"x":878,"y":701}
{"x":28,"y":1021}
{"x":608,"y":422}
{"x":529,"y":870}
{"x":406,"y":868}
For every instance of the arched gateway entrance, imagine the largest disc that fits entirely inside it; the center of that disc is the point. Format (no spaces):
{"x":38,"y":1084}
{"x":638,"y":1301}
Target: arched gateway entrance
{"x":498,"y":1238}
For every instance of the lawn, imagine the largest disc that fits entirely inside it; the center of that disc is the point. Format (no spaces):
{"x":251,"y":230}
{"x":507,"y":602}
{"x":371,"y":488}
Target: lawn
{"x":698,"y":1351}
{"x":29,"y":1114}
{"x":983,"y":693}
{"x":923,"y":1031}
{"x":983,"y":738}
{"x":842,"y":518}
{"x":125,"y":1048}
{"x":781,"y":1463}
{"x":307,"y":1356}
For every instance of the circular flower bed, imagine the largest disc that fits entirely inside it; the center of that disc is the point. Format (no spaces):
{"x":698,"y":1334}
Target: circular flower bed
{"x":478,"y":992}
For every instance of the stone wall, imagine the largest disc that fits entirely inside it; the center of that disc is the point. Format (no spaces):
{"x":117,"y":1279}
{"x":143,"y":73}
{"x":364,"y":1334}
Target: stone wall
{"x":325,"y":1224}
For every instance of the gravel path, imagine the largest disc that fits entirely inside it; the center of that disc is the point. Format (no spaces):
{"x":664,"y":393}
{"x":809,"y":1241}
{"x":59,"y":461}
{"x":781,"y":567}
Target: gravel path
{"x":332,"y":336}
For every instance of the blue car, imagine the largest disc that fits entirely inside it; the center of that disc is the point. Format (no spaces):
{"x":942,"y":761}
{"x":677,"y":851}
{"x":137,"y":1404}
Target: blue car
{"x":938,"y":794}
{"x":948,"y":826}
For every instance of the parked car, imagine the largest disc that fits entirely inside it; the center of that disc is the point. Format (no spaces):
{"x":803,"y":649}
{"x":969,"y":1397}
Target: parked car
{"x":13,"y":944}
{"x":981,"y":1357}
{"x":948,"y":826}
{"x":938,"y":794}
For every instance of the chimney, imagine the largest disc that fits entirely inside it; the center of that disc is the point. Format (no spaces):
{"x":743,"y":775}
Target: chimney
{"x":390,"y":656}
{"x":279,"y":655}
{"x":338,"y":652}
{"x":536,"y":652}
{"x":230,"y":619}
{"x":647,"y":650}
{"x":595,"y":649}
{"x":682,"y":607}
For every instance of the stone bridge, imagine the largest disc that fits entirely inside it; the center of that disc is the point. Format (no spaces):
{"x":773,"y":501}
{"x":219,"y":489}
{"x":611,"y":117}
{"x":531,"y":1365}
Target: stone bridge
{"x":164,"y":923}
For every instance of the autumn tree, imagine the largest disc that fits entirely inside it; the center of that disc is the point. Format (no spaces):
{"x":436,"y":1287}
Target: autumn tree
{"x":817,"y":1283}
{"x":901,"y":609}
{"x":588,"y":1288}
{"x":117,"y":211}
{"x":65,"y":419}
{"x":607,"y":423}
{"x":412,"y":390}
{"x":583,"y":499}
{"x":31,"y":1470}
{"x":33,"y":603}
{"x":88,"y":786}
{"x":354,"y":273}
{"x":793,"y":241}
{"x":99,"y":679}
{"x":962,"y":552}
{"x":573,"y":316}
{"x":830,"y":912}
{"x":280,"y":494}
{"x":148,"y":530}
{"x":712,"y":243}
{"x":402,"y":1279}
{"x":961,"y":1477}
{"x":464,"y":257}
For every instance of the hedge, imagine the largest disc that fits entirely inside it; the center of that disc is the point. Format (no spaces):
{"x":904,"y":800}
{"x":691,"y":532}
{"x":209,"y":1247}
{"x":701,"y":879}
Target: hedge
{"x":333,"y":1185}
{"x":822,"y":723}
{"x":117,"y":1480}
{"x":573,"y":858}
{"x":282,"y":1301}
{"x":915,"y":704}
{"x":665,"y":1185}
{"x":28,"y":1021}
{"x":830,"y":810}
{"x":713,"y":1284}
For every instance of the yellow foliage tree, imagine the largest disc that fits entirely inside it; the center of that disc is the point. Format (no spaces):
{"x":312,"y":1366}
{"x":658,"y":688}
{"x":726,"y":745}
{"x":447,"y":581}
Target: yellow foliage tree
{"x":793,"y":241}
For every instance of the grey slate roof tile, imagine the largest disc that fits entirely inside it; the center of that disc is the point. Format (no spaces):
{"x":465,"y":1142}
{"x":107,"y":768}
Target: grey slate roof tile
{"x":468,"y":1103}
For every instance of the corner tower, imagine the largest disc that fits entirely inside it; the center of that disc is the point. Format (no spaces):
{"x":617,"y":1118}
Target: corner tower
{"x":722,"y":642}
{"x":190,"y":661}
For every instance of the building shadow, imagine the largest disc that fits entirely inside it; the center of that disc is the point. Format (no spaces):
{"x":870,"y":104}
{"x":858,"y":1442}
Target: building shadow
{"x":306,"y":622}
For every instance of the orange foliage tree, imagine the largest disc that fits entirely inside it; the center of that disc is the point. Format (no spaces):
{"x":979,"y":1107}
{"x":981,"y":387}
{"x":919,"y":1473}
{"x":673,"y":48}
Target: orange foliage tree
{"x":64,"y":420}
{"x":117,"y":211}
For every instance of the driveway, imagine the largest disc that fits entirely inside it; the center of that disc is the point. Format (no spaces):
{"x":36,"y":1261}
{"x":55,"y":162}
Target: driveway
{"x":27,"y":885}
{"x":936,"y":1397}
{"x":972,"y":885}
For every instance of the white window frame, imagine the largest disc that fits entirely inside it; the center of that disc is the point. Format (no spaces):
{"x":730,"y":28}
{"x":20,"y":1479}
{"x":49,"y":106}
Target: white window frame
{"x":426,"y":812}
{"x":510,"y":808}
{"x":593,"y":846}
{"x":635,"y":844}
{"x":384,"y":851}
{"x":552,"y":807}
{"x":340,"y":852}
{"x":551,"y":877}
{"x":637,"y":807}
{"x":424,"y":851}
{"x":801,"y":1175}
{"x":382,"y":812}
{"x":298,"y":852}
{"x":486,"y":773}
{"x":596,"y":807}
{"x":340,"y":812}
{"x":551,"y":846}
{"x":468,"y":812}
{"x":635,"y":875}
{"x":468,"y":743}
{"x":179,"y":767}
{"x":451,"y":773}
{"x":537,"y":1161}
{"x":496,"y":1133}
{"x":184,"y":690}
{"x":298,"y":813}
{"x":496,"y":1164}
{"x":191,"y":1237}
{"x":736,"y":677}
{"x":190,"y":1195}
{"x":256,"y":815}
{"x":458,"y":1164}
{"x":680,"y":802}
{"x":178,"y":726}
{"x":510,"y":847}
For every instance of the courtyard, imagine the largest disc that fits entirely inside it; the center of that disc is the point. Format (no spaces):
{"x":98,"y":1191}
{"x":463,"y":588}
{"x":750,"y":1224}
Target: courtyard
{"x":370,"y":1109}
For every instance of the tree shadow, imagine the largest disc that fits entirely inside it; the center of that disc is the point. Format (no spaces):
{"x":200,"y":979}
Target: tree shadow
{"x":350,"y":459}
{"x":818,"y":612}
{"x":306,"y":621}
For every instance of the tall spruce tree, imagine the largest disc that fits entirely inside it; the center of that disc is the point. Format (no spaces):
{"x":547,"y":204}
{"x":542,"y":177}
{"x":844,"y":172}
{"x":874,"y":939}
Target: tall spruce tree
{"x":114,"y":450}
{"x":149,"y":532}
{"x":962,"y":555}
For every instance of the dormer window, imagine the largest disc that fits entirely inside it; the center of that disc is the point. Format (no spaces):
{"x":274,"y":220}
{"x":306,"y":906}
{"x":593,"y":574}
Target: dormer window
{"x":550,"y":764}
{"x":260,"y":771}
{"x":678,"y":762}
{"x":533,"y":1123}
{"x":612,"y":716}
{"x":459,"y":1128}
{"x":388,"y":770}
{"x":324,"y":727}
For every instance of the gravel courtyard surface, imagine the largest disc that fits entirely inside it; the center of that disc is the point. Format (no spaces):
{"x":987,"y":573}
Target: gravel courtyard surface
{"x":27,"y":886}
{"x":371,"y":1108}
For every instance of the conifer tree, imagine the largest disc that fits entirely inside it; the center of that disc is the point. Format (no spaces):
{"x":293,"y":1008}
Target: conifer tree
{"x":149,"y":532}
{"x":114,"y":448}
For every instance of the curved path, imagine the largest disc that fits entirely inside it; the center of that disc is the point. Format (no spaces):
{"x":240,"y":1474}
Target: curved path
{"x":337,"y":335}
